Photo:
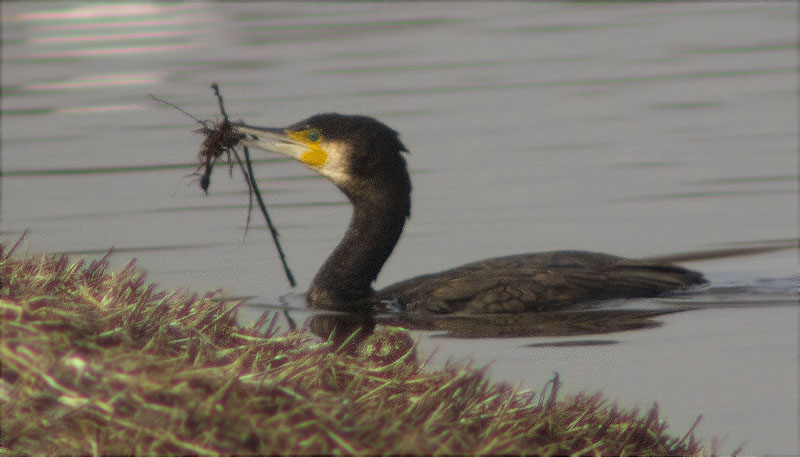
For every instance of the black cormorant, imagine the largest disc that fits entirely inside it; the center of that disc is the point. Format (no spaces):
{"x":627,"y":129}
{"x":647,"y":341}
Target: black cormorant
{"x":363,"y":157}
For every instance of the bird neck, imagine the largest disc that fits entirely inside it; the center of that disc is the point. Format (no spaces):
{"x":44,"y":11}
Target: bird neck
{"x":344,"y":280}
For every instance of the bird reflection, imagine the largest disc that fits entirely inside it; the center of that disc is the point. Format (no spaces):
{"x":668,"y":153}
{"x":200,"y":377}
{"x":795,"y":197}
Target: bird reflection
{"x":342,"y":327}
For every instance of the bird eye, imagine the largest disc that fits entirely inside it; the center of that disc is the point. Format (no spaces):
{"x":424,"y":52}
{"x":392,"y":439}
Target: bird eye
{"x":313,"y":135}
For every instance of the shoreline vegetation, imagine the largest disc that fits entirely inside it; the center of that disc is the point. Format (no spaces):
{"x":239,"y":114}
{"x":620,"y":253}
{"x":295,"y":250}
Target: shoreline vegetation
{"x":101,"y":362}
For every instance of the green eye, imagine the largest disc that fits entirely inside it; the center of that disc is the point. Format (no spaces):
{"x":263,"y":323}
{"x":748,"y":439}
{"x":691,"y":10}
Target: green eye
{"x":313,"y":135}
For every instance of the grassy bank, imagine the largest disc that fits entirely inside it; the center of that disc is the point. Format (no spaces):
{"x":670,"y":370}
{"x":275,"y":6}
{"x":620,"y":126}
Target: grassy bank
{"x":101,"y":362}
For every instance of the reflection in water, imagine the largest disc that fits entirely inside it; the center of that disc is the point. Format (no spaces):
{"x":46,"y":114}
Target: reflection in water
{"x":346,"y":330}
{"x":353,"y":334}
{"x":349,"y":330}
{"x":91,"y":81}
{"x":553,"y":323}
{"x":566,"y":344}
{"x":99,"y":30}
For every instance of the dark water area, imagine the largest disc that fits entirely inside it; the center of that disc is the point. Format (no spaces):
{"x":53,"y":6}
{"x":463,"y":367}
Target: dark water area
{"x":641,"y":130}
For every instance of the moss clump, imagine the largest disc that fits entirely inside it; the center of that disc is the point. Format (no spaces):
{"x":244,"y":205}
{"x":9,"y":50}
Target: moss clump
{"x":101,"y":362}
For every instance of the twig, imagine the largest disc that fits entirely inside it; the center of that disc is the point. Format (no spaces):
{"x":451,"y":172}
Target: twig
{"x":253,"y":187}
{"x":205,"y":178}
{"x":272,"y":228}
{"x":215,"y":86}
{"x":209,"y":151}
{"x":161,"y":100}
{"x":221,"y":138}
{"x":249,"y":193}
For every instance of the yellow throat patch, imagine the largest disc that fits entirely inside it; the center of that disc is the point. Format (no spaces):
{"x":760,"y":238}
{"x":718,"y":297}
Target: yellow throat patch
{"x":314,"y":156}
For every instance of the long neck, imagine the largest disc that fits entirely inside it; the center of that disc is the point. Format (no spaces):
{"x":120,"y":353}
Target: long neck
{"x":344,"y":280}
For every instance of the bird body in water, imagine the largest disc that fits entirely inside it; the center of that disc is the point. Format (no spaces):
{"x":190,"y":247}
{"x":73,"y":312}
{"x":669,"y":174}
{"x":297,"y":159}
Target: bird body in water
{"x":363,"y":157}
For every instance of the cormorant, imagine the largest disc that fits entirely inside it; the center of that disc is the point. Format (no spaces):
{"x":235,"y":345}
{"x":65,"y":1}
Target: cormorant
{"x":363,"y":157}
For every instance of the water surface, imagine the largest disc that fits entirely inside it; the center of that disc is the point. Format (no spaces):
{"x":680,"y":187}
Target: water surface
{"x":638,"y":129}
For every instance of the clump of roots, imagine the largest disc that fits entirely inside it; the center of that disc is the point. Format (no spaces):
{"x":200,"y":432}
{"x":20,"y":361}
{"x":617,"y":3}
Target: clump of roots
{"x":220,"y":139}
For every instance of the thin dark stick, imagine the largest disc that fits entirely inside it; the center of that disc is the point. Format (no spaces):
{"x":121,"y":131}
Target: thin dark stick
{"x":250,"y":192}
{"x":220,"y":138}
{"x":219,"y":99}
{"x":254,"y":189}
{"x":205,"y":178}
{"x":161,"y":100}
{"x":272,"y":229}
{"x":230,"y":162}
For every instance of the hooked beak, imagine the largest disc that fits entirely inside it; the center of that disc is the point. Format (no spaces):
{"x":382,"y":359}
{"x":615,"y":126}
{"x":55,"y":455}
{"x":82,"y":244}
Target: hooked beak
{"x":271,"y":140}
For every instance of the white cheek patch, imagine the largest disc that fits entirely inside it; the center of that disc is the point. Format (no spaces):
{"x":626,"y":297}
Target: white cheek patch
{"x":336,"y":167}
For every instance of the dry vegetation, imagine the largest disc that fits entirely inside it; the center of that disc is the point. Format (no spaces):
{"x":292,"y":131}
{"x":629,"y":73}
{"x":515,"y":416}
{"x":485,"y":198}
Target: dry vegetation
{"x":100,"y":362}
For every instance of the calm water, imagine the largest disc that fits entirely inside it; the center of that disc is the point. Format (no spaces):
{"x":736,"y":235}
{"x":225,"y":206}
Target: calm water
{"x":637,"y":129}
